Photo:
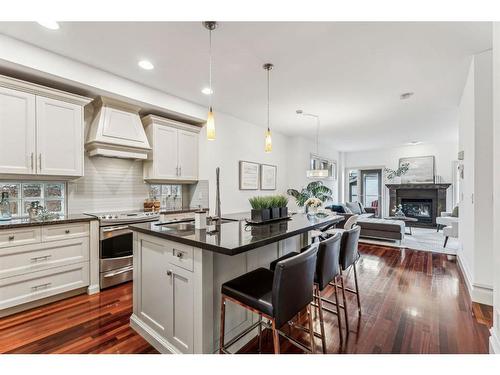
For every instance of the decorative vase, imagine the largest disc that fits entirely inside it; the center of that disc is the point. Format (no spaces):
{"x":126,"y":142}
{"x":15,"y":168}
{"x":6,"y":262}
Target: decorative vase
{"x":312,"y":210}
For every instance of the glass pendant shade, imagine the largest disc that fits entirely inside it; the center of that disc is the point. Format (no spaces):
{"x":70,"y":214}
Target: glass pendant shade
{"x":210,"y":125}
{"x":269,"y":142}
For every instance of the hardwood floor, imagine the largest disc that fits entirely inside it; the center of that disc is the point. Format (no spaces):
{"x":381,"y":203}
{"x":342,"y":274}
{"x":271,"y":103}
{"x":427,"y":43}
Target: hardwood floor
{"x":412,"y":302}
{"x":82,"y":324}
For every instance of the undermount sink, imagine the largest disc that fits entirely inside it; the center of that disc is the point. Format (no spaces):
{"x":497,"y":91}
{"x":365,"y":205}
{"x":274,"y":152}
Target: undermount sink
{"x":188,"y":224}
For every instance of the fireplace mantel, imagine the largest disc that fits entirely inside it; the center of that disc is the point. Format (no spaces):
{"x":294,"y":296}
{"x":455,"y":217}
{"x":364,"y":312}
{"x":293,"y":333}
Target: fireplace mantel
{"x":434,"y":192}
{"x":418,"y":186}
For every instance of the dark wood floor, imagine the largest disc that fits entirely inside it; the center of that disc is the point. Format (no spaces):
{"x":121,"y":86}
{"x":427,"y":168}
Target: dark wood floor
{"x":412,"y":301}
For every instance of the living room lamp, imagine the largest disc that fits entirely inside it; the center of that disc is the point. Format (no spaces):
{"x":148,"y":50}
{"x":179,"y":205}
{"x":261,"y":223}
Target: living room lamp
{"x":316,"y":170}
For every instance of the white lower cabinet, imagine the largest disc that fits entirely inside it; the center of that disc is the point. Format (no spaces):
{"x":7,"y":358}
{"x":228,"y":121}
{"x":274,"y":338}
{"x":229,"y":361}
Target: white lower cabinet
{"x":42,"y":261}
{"x":165,"y":300}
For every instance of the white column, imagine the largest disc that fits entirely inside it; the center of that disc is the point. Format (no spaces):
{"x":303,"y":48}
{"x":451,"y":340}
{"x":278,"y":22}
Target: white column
{"x":495,"y":331}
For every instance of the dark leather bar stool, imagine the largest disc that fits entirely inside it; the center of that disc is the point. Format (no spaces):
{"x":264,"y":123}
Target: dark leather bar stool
{"x":327,"y":271}
{"x":276,"y":296}
{"x":349,"y":255}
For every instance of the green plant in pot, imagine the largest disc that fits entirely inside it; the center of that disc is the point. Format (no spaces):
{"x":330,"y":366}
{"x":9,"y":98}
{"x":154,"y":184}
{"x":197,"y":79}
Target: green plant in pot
{"x":260,"y":209}
{"x":314,"y":189}
{"x":274,"y":206}
{"x":282,"y":202}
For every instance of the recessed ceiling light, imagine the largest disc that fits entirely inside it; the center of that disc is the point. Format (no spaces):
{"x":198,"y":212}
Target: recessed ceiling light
{"x":414,"y":143}
{"x":52,"y":25}
{"x":207,"y":91}
{"x":406,"y":95}
{"x":145,"y":64}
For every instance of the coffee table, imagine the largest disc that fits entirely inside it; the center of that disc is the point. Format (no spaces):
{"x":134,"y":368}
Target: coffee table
{"x":406,"y":219}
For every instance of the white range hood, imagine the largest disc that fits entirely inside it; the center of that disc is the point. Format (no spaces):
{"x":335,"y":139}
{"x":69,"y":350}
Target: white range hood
{"x":116,"y":131}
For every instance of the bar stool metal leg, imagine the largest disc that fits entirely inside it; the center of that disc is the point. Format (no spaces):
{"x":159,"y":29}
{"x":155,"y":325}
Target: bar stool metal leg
{"x":321,"y":321}
{"x":222,"y":323}
{"x":260,"y":333}
{"x":276,"y":338}
{"x":339,"y":320}
{"x":311,"y":331}
{"x":345,"y":302}
{"x":357,"y":289}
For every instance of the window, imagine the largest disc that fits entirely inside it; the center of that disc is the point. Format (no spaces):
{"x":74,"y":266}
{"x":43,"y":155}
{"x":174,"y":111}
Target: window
{"x":51,"y":195}
{"x":170,"y":196}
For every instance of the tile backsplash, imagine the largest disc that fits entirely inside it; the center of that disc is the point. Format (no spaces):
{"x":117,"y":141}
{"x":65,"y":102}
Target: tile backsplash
{"x":112,"y":184}
{"x":109,"y":184}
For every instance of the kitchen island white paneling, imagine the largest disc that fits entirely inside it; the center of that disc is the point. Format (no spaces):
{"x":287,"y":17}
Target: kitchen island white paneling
{"x":179,"y":271}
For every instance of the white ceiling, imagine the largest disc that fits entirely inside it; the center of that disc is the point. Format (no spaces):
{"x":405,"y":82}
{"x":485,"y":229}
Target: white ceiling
{"x":351,"y":74}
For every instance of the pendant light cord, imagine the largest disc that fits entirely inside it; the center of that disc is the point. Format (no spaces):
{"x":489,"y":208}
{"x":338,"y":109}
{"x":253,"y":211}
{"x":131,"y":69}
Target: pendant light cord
{"x":268,"y":98}
{"x":210,"y":67}
{"x":317,"y":135}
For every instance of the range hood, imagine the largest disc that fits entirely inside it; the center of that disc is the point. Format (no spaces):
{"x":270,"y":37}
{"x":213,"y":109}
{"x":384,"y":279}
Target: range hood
{"x":116,"y":131}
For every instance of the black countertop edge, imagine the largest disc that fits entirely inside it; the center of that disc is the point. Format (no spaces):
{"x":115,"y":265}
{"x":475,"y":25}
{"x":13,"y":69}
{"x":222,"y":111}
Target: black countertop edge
{"x":20,"y":223}
{"x":240,"y":249}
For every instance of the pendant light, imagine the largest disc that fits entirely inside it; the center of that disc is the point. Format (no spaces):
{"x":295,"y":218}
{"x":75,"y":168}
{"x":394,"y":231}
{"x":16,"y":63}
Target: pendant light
{"x":317,"y":169}
{"x":210,"y":26}
{"x":268,"y":145}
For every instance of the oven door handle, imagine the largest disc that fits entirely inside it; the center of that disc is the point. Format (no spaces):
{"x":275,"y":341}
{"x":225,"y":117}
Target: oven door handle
{"x":111,"y":229}
{"x":130,"y":268}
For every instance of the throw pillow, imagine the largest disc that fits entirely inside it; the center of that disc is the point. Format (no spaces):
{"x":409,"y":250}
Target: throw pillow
{"x":354,"y":207}
{"x":454,"y":213}
{"x":337,"y":208}
{"x":362,"y":209}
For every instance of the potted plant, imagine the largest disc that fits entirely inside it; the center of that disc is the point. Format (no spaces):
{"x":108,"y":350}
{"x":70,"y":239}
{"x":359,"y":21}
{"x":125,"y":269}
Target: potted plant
{"x":274,"y":206}
{"x":314,"y":189}
{"x":282,"y":204}
{"x":260,"y":209}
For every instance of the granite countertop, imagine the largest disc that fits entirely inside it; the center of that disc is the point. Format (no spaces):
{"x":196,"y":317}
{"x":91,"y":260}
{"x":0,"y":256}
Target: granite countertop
{"x":235,"y":237}
{"x":26,"y":222}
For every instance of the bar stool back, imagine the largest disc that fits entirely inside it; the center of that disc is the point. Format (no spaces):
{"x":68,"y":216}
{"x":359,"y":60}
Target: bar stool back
{"x":277,"y":296}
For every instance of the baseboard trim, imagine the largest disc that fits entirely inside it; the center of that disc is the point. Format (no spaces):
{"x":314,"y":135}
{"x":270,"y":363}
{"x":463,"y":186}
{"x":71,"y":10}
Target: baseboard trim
{"x":477,"y":293}
{"x":158,"y":342}
{"x":93,"y":289}
{"x":494,"y":342}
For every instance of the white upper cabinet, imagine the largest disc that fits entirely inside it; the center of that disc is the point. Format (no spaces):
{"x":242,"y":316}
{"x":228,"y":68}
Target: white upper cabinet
{"x":41,"y":130}
{"x":174,"y":155}
{"x":17,"y":132}
{"x":59,"y":137}
{"x":188,"y":154}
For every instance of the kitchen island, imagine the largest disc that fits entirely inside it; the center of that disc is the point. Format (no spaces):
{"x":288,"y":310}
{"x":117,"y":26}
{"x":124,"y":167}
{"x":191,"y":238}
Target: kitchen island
{"x":179,"y":270}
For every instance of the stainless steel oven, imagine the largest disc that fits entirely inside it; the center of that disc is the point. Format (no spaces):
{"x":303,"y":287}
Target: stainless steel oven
{"x":116,"y":245}
{"x":116,"y":252}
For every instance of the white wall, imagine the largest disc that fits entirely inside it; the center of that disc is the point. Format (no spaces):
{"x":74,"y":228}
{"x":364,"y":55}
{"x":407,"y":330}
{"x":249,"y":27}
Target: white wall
{"x":495,"y":331}
{"x":445,"y":154}
{"x":475,"y":255}
{"x":239,"y":140}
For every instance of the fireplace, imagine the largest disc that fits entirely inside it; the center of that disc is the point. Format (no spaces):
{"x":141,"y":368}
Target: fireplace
{"x":423,"y":202}
{"x":420,"y":209}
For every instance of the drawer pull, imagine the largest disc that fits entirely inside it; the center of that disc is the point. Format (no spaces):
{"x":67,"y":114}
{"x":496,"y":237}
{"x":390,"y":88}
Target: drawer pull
{"x":36,"y":287}
{"x":180,"y":255}
{"x":11,"y":238}
{"x":128,"y":269}
{"x":67,"y":231}
{"x":43,"y":257}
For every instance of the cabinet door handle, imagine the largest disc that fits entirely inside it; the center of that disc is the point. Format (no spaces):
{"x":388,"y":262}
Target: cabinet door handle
{"x":169,"y":273}
{"x":180,"y":171}
{"x":179,"y":254}
{"x":40,"y":162}
{"x":67,"y":231}
{"x":32,"y":164}
{"x":43,"y":257}
{"x":11,"y":238}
